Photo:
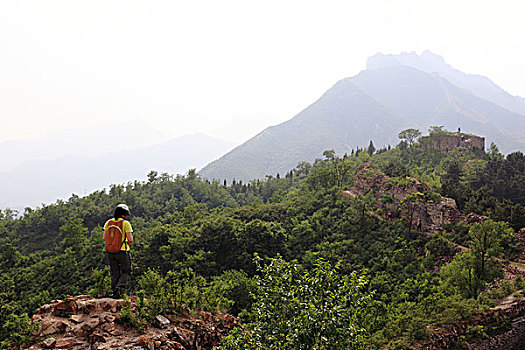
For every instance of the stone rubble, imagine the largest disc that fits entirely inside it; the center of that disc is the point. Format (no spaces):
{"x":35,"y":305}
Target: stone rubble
{"x":162,"y":321}
{"x":84,"y":322}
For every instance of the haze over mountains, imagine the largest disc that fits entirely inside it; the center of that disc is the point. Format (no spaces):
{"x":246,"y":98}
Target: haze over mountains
{"x":393,"y":93}
{"x":89,"y":142}
{"x":43,"y":181}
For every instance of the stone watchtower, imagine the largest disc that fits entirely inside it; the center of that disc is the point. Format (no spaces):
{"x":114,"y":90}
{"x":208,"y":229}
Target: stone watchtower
{"x":448,"y":141}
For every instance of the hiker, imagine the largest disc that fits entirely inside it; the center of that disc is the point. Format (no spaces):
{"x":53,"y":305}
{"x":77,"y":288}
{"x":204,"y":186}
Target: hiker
{"x":117,"y":238}
{"x":419,"y":225}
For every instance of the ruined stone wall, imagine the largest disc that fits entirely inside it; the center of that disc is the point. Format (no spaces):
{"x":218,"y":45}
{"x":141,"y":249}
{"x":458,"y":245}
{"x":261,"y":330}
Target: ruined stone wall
{"x":476,"y":142}
{"x":452,"y":141}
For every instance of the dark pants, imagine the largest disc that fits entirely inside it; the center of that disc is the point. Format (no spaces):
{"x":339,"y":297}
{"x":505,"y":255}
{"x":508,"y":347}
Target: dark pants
{"x":120,"y":267}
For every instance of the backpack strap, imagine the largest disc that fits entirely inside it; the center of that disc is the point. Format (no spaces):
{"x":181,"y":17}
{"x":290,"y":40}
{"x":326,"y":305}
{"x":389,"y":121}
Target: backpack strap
{"x":125,"y":236}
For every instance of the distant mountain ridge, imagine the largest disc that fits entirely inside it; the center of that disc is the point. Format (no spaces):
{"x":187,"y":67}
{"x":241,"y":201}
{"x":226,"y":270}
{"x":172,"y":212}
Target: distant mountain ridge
{"x":428,"y":62}
{"x":44,"y":181}
{"x":88,"y":142}
{"x":375,"y":105}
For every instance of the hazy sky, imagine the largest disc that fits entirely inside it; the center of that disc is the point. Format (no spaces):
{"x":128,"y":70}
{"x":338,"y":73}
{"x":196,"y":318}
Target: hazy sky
{"x":225,"y":68}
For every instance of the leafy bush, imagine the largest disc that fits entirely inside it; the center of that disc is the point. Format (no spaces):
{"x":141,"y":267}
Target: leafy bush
{"x":101,"y":282}
{"x":476,"y":332}
{"x":458,"y":232}
{"x":299,"y":309}
{"x":170,"y":294}
{"x":437,"y":246}
{"x":16,"y":331}
{"x":136,"y":316}
{"x":519,"y":282}
{"x":235,"y":286}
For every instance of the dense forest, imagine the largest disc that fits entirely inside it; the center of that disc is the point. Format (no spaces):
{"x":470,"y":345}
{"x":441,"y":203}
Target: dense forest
{"x":301,"y":265}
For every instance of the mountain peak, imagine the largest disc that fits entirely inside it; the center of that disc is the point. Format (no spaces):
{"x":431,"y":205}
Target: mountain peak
{"x":429,"y":62}
{"x":426,"y":62}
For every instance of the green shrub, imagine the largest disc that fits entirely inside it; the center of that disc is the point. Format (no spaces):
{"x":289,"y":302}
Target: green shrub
{"x":437,"y":246}
{"x":519,"y":282}
{"x":236,"y":287}
{"x":170,"y":294}
{"x":476,"y":332}
{"x":136,"y":316}
{"x":101,"y":282}
{"x":16,"y":330}
{"x":299,"y":309}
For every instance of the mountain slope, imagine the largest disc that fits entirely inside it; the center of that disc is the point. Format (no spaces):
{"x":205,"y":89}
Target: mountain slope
{"x":342,"y":119}
{"x":43,"y":181}
{"x":374,"y":105}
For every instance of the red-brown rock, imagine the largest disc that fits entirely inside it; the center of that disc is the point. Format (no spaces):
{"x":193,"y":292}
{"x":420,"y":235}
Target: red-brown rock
{"x":95,"y":320}
{"x":49,"y":343}
{"x":76,"y":318}
{"x":473,"y":218}
{"x":66,"y":308}
{"x":97,"y":337}
{"x":68,"y":343}
{"x":146,"y":342}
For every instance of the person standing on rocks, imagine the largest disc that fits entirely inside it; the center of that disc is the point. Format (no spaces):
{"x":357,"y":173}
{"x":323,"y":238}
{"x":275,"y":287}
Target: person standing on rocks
{"x":117,"y":239}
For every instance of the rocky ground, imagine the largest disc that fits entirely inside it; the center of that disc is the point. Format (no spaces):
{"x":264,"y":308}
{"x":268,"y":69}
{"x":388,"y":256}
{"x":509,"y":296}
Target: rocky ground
{"x":84,"y":322}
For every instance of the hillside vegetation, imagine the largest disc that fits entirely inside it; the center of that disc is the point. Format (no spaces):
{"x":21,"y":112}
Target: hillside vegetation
{"x":302,"y":265}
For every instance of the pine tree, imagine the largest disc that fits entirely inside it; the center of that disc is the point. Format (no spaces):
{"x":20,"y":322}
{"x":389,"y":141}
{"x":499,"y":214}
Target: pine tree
{"x":371,"y":148}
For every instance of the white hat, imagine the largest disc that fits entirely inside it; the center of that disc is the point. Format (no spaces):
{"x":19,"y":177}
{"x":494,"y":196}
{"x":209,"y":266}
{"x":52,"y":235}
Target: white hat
{"x":123,"y":206}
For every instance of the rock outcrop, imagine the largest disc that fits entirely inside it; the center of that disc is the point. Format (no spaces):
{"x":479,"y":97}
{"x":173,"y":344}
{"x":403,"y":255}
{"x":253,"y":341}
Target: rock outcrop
{"x":84,"y":322}
{"x":433,"y":212}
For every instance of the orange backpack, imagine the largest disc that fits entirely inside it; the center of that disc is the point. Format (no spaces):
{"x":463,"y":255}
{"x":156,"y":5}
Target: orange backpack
{"x":114,"y":236}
